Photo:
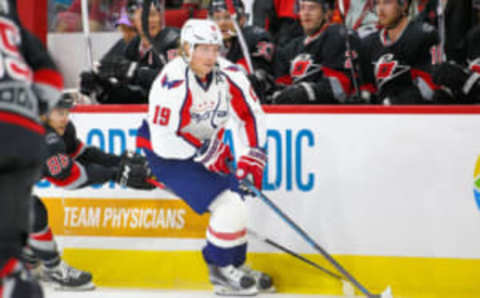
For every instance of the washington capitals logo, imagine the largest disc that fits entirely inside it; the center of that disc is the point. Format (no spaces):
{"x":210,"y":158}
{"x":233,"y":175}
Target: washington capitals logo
{"x":233,"y":68}
{"x":170,"y":84}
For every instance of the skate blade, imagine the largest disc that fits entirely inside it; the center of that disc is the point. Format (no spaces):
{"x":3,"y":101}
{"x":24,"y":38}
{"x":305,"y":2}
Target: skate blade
{"x":87,"y":287}
{"x":272,"y":289}
{"x":225,"y":291}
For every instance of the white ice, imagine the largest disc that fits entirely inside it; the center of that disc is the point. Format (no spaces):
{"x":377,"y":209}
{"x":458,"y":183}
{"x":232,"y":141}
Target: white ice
{"x":133,"y":293}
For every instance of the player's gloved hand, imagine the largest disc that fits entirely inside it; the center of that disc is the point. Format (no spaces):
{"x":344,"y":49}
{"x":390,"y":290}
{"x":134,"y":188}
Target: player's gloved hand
{"x":458,"y":79}
{"x":250,"y":166}
{"x":134,"y":176}
{"x":262,"y":83}
{"x":294,"y":94}
{"x":119,"y":68}
{"x":89,"y":83}
{"x":214,"y":154}
{"x":133,"y":157}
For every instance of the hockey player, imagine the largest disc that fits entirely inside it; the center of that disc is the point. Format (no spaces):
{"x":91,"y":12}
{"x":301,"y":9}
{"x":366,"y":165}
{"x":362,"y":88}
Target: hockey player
{"x":128,"y":78}
{"x":403,"y":53}
{"x":316,"y":68}
{"x":259,"y":43}
{"x":29,"y":85}
{"x":189,"y":105}
{"x":72,"y":165}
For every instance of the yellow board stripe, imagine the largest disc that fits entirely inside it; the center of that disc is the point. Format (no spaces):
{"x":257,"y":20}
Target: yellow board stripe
{"x":409,"y":277}
{"x":124,"y":218}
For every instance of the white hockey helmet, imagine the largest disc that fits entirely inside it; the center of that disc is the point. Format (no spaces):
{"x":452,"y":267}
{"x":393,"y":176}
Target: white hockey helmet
{"x":200,"y":31}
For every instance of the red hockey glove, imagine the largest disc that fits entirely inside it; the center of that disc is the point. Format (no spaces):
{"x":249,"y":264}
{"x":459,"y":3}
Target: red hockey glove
{"x":251,"y":166}
{"x":214,"y":154}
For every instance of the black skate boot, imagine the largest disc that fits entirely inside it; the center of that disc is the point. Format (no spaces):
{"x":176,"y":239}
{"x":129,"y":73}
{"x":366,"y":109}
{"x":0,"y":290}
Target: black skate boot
{"x":264,"y":281}
{"x":231,"y":281}
{"x":66,"y":278}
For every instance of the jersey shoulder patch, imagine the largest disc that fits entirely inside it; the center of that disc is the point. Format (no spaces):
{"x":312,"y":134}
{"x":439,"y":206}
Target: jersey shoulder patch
{"x":52,"y":138}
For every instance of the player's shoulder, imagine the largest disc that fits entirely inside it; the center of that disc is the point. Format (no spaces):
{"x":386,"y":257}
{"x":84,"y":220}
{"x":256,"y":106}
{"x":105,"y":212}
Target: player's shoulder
{"x":172,"y":77}
{"x":54,"y":141}
{"x":421,"y":31}
{"x":230,"y":69}
{"x":256,"y":33}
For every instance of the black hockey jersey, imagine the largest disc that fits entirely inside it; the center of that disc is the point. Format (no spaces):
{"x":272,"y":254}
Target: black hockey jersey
{"x":71,"y":164}
{"x":29,"y":80}
{"x":150,"y":64}
{"x":324,"y":56}
{"x":260,"y":47}
{"x":402,"y":69}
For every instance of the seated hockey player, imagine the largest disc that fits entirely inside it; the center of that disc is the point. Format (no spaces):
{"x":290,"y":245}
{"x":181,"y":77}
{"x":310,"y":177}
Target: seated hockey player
{"x":403,"y":54}
{"x":128,"y":78}
{"x":189,"y":106}
{"x":30,"y":85}
{"x":259,"y":43}
{"x":316,"y":68}
{"x":72,"y":165}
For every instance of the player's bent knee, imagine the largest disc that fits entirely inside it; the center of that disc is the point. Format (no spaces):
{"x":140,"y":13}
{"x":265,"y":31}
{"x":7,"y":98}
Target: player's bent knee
{"x":227,"y":226}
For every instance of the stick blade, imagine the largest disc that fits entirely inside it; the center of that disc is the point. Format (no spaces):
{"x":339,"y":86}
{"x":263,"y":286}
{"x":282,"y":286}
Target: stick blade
{"x":348,"y":290}
{"x":387,"y":293}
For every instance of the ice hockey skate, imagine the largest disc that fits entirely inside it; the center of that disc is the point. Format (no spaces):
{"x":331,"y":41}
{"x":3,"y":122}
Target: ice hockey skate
{"x":263,"y":281}
{"x":231,"y":281}
{"x":67,"y":278}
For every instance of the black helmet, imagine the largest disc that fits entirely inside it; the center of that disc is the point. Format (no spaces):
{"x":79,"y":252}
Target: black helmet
{"x":65,"y":102}
{"x":219,"y":5}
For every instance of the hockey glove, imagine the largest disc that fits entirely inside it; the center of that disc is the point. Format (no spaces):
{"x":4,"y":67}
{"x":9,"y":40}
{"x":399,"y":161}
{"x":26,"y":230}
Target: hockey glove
{"x":117,"y":68}
{"x":263,"y":83}
{"x":250,"y":166}
{"x":134,"y":176}
{"x":133,"y":158}
{"x":214,"y":154}
{"x":459,"y":80}
{"x":295,"y":94}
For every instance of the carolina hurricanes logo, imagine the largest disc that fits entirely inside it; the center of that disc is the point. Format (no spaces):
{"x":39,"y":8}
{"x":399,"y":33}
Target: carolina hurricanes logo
{"x":387,"y":68}
{"x":301,"y":65}
{"x":170,"y":84}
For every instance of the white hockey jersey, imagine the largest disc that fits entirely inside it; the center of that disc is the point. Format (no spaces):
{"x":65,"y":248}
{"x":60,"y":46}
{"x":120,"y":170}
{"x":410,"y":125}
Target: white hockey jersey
{"x":184,"y":111}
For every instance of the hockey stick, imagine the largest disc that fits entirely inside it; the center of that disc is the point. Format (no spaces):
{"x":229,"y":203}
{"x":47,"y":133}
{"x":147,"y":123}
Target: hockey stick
{"x":88,"y":40}
{"x":309,"y":240}
{"x":347,"y":288}
{"x":241,"y":38}
{"x":441,"y":29}
{"x":353,"y":70}
{"x":293,"y":254}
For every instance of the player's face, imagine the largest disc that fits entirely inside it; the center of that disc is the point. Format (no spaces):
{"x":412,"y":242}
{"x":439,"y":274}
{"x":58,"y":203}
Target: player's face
{"x":155,"y":20}
{"x":388,"y":11}
{"x":58,"y":119}
{"x":204,"y":58}
{"x":223,"y":20}
{"x":311,"y":16}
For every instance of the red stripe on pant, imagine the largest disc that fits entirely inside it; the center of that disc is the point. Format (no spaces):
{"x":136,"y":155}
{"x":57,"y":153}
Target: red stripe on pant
{"x":228,"y":236}
{"x":45,"y":236}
